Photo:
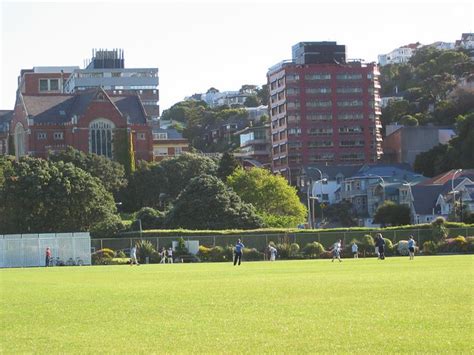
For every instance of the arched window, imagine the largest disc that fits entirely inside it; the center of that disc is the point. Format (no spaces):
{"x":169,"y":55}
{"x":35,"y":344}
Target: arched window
{"x":100,"y":137}
{"x":19,"y":140}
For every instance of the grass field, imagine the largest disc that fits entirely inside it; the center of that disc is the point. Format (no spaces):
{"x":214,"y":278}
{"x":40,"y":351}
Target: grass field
{"x":365,"y":305}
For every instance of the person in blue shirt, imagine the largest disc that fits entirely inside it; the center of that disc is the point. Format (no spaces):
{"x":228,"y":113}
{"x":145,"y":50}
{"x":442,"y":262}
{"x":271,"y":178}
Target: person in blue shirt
{"x":411,"y":247}
{"x":239,"y":247}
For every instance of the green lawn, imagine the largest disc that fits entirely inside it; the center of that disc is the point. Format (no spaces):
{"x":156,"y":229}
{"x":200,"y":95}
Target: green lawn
{"x":364,"y":306}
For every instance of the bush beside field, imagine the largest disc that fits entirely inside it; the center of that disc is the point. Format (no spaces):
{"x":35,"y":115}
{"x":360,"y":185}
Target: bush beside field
{"x":293,"y":251}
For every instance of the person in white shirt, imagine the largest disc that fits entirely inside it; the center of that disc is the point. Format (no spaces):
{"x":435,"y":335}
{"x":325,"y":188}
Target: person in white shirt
{"x":170,"y":255}
{"x":133,"y":256}
{"x":336,"y":251}
{"x":272,"y":251}
{"x":355,"y":250}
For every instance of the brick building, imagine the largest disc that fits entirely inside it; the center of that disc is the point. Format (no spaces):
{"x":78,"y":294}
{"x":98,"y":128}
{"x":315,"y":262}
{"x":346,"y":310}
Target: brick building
{"x":323,"y":110}
{"x":87,"y":121}
{"x":168,"y":143}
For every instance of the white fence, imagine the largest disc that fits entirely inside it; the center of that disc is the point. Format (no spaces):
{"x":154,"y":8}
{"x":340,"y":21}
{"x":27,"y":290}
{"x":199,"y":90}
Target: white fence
{"x":23,"y":250}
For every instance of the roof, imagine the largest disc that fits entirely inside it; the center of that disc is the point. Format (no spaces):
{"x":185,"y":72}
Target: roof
{"x":332,"y":171}
{"x":60,"y":108}
{"x":447,"y":176}
{"x":171,"y":132}
{"x":424,"y":197}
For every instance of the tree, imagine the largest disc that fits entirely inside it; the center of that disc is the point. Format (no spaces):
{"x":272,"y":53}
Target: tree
{"x":207,"y":203}
{"x":123,"y":150}
{"x":391,"y":214}
{"x":227,"y":165}
{"x":439,"y":231}
{"x":263,"y":94}
{"x":179,"y":171}
{"x":409,"y":120}
{"x":251,"y":101}
{"x":146,"y":188}
{"x":6,"y":163}
{"x":271,"y":195}
{"x":41,"y":196}
{"x":110,"y":173}
{"x":458,"y":153}
{"x":341,"y":213}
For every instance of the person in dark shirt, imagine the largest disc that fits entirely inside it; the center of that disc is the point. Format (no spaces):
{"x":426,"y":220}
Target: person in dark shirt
{"x":380,"y":243}
{"x":239,"y":247}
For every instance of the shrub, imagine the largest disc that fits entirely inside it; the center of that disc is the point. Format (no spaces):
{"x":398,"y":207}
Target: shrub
{"x":367,"y":243}
{"x":108,"y":228}
{"x":313,"y":250}
{"x":402,"y":247}
{"x":204,"y":253}
{"x":283,"y":250}
{"x":470,"y":244}
{"x":430,"y":248}
{"x":217,"y":254}
{"x":454,"y":245}
{"x":150,"y":218}
{"x":181,"y":248}
{"x":102,"y":257}
{"x":438,"y":229}
{"x":294,"y":249}
{"x":145,"y":249}
{"x":252,"y":254}
{"x":388,"y":246}
{"x":120,"y":254}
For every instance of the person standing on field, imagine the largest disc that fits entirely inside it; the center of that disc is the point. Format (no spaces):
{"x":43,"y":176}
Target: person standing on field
{"x":163,"y":256}
{"x":355,"y":250}
{"x":411,"y":247}
{"x":273,"y":252}
{"x":380,"y":243}
{"x":133,"y":256}
{"x":239,"y":248}
{"x":336,"y":251}
{"x":170,"y":255}
{"x":48,"y":257}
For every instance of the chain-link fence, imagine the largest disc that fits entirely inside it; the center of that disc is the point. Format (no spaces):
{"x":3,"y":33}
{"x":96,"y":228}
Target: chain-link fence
{"x":260,"y":241}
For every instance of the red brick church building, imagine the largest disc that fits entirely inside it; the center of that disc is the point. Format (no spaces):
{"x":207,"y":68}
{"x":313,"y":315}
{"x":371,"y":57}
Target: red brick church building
{"x":45,"y":119}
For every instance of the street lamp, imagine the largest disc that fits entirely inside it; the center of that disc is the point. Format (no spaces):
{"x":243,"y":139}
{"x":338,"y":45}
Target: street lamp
{"x":454,"y":192}
{"x":311,"y":209}
{"x":411,"y":198}
{"x":310,"y":185}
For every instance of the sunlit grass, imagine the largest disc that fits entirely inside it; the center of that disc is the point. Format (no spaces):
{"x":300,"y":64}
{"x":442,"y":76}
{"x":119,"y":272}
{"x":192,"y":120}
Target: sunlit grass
{"x":364,"y":306}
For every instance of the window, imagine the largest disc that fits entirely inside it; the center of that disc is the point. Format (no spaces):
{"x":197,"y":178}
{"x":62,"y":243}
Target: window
{"x":100,"y":137}
{"x":41,"y":136}
{"x":53,"y":85}
{"x":353,"y":157}
{"x":346,"y":90}
{"x":350,"y":103}
{"x":49,"y":85}
{"x":350,"y":116}
{"x":141,"y":136}
{"x":351,"y":130}
{"x":348,"y":76}
{"x":318,"y":104}
{"x":178,"y":150}
{"x":58,"y":136}
{"x":44,"y":85}
{"x":320,"y":131}
{"x":320,"y":144}
{"x":318,"y":90}
{"x":160,"y":151}
{"x":160,"y":136}
{"x":319,"y":76}
{"x":319,"y":117}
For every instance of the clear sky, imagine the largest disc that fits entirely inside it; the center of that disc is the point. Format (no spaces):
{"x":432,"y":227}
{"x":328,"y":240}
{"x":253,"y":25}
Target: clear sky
{"x":224,"y":44}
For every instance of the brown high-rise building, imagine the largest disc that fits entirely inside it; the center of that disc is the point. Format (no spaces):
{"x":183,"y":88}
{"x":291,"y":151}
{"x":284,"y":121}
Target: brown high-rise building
{"x":323,"y":110}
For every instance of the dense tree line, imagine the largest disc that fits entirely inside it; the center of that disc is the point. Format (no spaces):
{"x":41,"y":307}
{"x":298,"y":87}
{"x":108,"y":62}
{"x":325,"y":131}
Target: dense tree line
{"x":458,"y":153}
{"x":428,"y":86}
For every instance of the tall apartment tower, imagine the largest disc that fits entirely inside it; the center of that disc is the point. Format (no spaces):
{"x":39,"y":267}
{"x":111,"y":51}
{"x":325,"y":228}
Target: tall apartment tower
{"x":323,"y":110}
